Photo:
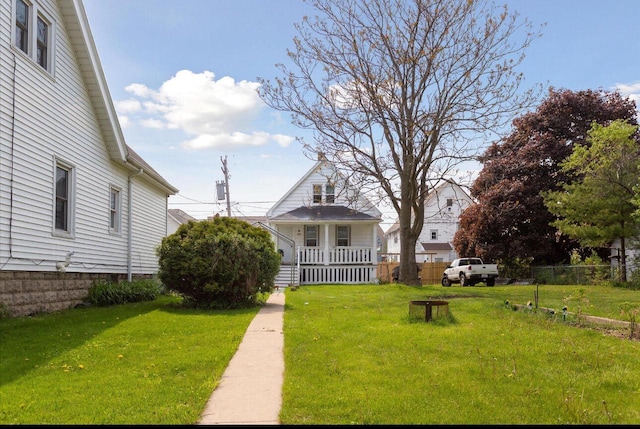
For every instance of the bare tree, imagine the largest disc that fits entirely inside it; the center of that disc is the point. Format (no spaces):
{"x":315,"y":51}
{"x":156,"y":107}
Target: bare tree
{"x":399,"y":93}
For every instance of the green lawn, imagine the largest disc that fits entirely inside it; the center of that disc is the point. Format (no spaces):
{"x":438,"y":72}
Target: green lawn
{"x":142,"y":363}
{"x":353,"y":356}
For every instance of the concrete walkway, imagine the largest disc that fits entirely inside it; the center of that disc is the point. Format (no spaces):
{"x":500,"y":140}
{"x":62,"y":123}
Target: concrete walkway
{"x":250,"y":391}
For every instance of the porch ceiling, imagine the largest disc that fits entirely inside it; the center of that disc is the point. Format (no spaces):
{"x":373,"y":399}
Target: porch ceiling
{"x":324,"y":213}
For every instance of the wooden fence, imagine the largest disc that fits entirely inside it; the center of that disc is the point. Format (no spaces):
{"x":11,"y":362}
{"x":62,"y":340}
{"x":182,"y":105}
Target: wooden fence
{"x":430,"y":273}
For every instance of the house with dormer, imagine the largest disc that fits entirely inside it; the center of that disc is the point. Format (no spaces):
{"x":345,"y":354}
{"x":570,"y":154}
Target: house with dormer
{"x":77,"y":204}
{"x":442,"y":210}
{"x":326,"y":231}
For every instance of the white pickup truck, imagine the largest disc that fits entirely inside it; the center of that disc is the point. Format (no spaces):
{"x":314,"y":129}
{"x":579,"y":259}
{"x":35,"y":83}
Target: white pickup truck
{"x":469,"y":271}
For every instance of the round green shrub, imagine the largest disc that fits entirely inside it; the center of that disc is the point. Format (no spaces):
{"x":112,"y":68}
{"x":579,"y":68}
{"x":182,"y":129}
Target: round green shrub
{"x":219,"y":263}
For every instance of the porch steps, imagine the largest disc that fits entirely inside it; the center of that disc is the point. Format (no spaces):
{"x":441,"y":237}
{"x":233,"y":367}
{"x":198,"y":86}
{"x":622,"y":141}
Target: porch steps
{"x":283,"y":279}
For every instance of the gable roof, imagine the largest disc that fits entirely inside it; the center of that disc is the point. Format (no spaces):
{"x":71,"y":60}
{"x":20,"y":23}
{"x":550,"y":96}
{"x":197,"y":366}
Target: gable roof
{"x":77,"y":25}
{"x":179,"y":216}
{"x":322,"y":161}
{"x":436,"y":246}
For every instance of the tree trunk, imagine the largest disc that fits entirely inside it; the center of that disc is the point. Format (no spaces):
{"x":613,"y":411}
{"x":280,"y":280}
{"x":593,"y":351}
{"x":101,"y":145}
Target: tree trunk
{"x":408,"y":273}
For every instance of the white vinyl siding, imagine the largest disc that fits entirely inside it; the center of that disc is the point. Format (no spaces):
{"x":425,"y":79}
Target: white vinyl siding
{"x":55,"y":120}
{"x":302,"y":194}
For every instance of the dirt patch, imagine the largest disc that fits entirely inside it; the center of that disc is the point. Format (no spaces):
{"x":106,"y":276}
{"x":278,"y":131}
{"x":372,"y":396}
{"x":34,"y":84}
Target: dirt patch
{"x":621,"y":333}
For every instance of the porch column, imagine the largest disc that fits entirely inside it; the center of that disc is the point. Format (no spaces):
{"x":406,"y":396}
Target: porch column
{"x":326,"y":244}
{"x":374,"y":252}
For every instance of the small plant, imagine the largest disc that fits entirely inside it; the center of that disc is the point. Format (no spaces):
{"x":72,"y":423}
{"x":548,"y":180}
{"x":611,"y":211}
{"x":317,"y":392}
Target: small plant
{"x":4,"y":311}
{"x":582,"y":299}
{"x":104,"y":293}
{"x":630,"y":310}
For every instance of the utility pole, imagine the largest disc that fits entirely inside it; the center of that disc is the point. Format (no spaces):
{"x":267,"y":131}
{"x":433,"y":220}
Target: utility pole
{"x":225,"y":171}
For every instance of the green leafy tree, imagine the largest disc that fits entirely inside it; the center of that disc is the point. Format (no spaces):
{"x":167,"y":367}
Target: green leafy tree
{"x":221,"y":263}
{"x":597,"y":208}
{"x":396,"y":93}
{"x":510,"y":222}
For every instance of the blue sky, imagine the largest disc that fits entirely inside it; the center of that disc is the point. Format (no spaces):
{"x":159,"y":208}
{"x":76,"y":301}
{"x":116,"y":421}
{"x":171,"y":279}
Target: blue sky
{"x":182,"y":75}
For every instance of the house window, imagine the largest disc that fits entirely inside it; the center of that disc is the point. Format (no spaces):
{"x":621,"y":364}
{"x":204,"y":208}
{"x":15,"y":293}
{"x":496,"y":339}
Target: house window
{"x":22,"y":26}
{"x":42,"y":47}
{"x":33,"y":33}
{"x":114,"y":210}
{"x":434,"y":234}
{"x":330,"y":193}
{"x":449,"y":203}
{"x":343,"y":235}
{"x":63,"y":204}
{"x":317,"y":194}
{"x":311,"y":235}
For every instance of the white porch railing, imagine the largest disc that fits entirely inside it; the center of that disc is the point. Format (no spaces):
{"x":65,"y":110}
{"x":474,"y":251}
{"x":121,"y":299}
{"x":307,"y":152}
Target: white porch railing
{"x":337,"y":274}
{"x":336,"y":255}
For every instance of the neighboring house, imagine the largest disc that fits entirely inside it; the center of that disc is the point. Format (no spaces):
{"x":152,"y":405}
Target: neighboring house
{"x":175,"y":218}
{"x":76,"y":203}
{"x":632,"y":250}
{"x":325,"y":230}
{"x":442,"y":211}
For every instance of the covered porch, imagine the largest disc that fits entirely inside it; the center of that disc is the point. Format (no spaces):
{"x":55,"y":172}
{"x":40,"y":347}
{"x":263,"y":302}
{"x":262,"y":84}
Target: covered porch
{"x":338,"y":249}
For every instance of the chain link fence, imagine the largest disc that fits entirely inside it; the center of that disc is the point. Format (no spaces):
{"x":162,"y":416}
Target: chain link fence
{"x":580,"y":274}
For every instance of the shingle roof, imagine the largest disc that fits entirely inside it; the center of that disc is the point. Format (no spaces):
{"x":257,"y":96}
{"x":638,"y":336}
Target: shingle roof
{"x":436,"y":246}
{"x":316,"y":213}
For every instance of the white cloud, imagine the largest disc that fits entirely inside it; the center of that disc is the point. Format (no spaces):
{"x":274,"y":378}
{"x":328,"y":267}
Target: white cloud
{"x":221,"y":141}
{"x":128,"y":106}
{"x":217,"y":113}
{"x":283,"y":140}
{"x":153,"y":123}
{"x":124,"y":121}
{"x":138,"y":89}
{"x":631,"y":90}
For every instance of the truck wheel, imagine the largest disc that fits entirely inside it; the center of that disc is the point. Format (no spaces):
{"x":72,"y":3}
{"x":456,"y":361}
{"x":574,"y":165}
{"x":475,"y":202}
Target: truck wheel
{"x":491,"y":282}
{"x":446,"y":282}
{"x":463,"y":280}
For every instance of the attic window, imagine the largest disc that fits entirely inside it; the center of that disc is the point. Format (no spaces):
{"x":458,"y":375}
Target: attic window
{"x":22,"y":26}
{"x":42,"y":48}
{"x":330,"y":193}
{"x":33,"y":33}
{"x":317,"y":194}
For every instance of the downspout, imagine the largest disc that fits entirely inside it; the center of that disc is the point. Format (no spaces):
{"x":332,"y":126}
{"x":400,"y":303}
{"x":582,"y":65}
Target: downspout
{"x":130,"y":221}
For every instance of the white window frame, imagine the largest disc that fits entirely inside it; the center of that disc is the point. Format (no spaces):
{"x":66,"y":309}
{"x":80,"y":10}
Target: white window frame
{"x":348,"y":238}
{"x":314,"y":228}
{"x":330,"y":197}
{"x":35,"y":11}
{"x":433,"y":234}
{"x":115,"y":210}
{"x":69,"y":232}
{"x":316,"y":193}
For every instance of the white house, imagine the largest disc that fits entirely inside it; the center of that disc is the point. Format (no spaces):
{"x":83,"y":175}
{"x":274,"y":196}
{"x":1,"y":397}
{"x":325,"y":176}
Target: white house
{"x":76,"y":203}
{"x":175,"y":218}
{"x":325,"y":230}
{"x":442,"y":211}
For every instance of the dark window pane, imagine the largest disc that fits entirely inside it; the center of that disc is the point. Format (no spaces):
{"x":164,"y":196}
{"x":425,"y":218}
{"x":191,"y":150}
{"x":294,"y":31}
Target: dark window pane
{"x":62,"y":199}
{"x":43,"y":31}
{"x":62,"y":180}
{"x":22,"y":26}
